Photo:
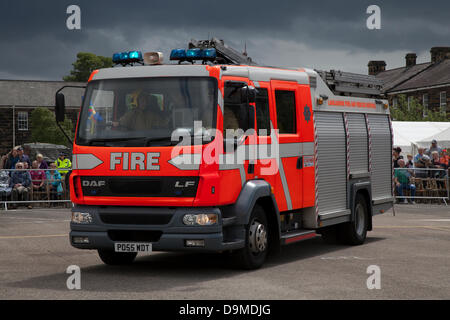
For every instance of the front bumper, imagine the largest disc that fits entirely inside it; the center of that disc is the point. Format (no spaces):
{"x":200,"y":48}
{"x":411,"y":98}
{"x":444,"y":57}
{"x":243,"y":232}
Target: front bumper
{"x":170,"y":236}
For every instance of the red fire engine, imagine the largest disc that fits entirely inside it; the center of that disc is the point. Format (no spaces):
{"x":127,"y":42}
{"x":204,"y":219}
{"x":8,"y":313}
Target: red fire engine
{"x":154,"y":167}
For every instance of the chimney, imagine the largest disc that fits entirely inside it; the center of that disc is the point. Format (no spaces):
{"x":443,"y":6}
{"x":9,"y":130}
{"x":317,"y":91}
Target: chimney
{"x":439,"y":53}
{"x":375,"y":67}
{"x":410,"y":59}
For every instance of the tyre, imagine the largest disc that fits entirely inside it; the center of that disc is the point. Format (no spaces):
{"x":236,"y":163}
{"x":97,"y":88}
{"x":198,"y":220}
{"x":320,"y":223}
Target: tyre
{"x":254,"y":254}
{"x":355,"y":232}
{"x":116,"y":258}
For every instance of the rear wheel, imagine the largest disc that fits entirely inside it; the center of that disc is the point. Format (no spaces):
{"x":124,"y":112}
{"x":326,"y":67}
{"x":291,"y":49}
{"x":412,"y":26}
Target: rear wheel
{"x":253,"y":255}
{"x":355,"y":232}
{"x":116,"y":258}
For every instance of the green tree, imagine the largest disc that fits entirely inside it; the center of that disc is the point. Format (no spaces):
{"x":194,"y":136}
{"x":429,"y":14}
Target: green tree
{"x":85,"y":64}
{"x":44,"y":128}
{"x":414,"y":112}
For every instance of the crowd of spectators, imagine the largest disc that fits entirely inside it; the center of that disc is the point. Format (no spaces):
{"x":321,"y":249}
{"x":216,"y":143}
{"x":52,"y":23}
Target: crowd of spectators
{"x":432,"y":162}
{"x":19,"y":177}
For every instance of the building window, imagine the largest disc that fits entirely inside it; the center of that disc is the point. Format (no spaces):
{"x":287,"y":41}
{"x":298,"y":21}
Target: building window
{"x":410,"y":98}
{"x":395,"y":102}
{"x":22,"y":121}
{"x":425,"y":104}
{"x":443,"y":101}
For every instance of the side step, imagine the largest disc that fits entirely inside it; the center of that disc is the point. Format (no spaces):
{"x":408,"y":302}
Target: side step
{"x":298,"y":235}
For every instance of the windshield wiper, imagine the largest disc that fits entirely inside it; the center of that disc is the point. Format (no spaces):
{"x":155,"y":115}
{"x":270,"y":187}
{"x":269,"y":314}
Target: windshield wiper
{"x":103,"y":140}
{"x":150,"y":141}
{"x":134,"y":141}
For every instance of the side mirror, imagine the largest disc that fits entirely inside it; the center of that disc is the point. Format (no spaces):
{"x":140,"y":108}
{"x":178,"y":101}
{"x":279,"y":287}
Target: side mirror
{"x":60,"y":107}
{"x":251,"y":93}
{"x":248,"y":94}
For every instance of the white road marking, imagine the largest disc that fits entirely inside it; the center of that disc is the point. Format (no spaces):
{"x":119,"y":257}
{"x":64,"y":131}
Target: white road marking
{"x":345,"y":258}
{"x":34,"y":219}
{"x":40,"y":236}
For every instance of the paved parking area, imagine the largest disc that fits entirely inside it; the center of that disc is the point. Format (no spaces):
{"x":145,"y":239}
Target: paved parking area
{"x":411,"y":248}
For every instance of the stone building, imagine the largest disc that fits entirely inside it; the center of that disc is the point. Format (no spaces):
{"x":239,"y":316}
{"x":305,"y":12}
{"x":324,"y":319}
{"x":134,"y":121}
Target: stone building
{"x":18,"y":98}
{"x":428,"y":82}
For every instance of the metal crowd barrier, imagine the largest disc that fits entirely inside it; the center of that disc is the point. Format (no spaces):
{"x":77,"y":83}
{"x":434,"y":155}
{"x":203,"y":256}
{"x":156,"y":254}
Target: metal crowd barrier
{"x":438,"y":178}
{"x":430,"y":183}
{"x":65,"y":196}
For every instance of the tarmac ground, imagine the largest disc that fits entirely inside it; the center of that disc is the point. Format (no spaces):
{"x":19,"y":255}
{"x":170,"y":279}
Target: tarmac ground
{"x":411,"y":250}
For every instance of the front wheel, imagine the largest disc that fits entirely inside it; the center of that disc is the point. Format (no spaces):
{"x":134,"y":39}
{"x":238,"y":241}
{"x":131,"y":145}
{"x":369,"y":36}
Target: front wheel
{"x":116,"y":258}
{"x":253,"y":255}
{"x":355,"y":232}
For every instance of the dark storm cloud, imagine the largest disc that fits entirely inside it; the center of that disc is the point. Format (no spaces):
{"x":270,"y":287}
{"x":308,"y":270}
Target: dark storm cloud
{"x":35,"y":42}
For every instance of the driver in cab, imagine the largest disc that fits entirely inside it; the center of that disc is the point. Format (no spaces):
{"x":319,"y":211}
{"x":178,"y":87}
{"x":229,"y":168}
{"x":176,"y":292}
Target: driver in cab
{"x":145,"y":115}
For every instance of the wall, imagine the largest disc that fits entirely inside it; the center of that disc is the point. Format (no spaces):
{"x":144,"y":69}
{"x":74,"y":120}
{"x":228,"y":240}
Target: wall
{"x":433,"y":98}
{"x":22,"y":136}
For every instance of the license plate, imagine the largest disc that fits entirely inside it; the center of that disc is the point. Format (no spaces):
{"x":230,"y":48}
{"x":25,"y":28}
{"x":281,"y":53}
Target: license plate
{"x":132,"y":247}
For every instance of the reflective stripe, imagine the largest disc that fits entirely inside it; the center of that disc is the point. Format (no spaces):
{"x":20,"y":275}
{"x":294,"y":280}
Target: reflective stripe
{"x":288,"y":149}
{"x":85,"y":161}
{"x":287,"y":195}
{"x":220,"y":102}
{"x":186,"y":161}
{"x":243,"y":175}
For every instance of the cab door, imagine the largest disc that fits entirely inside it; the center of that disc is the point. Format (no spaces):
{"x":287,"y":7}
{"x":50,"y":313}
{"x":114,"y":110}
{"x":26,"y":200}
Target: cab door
{"x":285,"y":97}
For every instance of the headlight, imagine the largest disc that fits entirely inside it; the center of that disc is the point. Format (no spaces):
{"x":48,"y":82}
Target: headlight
{"x":81,"y":217}
{"x":201,"y":219}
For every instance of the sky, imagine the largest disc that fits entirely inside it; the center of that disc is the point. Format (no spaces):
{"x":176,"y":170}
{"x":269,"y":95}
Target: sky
{"x":36,"y":44}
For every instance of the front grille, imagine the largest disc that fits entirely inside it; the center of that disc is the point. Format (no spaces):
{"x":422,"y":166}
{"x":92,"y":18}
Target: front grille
{"x":134,"y":235}
{"x":138,"y":186}
{"x":147,"y":219}
{"x":143,"y":187}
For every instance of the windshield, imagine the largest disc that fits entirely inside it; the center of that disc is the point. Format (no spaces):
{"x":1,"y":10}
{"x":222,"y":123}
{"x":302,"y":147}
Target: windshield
{"x":145,"y":112}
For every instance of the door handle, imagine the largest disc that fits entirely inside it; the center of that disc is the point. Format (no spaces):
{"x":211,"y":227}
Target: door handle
{"x":300,"y":162}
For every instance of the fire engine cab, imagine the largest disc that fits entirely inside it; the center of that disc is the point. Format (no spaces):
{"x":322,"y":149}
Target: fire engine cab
{"x":154,"y":168}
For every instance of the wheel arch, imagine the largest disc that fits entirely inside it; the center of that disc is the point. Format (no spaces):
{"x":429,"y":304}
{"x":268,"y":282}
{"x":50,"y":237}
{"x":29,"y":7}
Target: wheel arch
{"x":258,"y":192}
{"x":363,"y":189}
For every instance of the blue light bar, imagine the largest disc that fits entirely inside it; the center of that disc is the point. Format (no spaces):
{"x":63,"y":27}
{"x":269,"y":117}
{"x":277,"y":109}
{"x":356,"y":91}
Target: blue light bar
{"x":209,"y":53}
{"x":194,"y":54}
{"x":135,"y":56}
{"x":116,"y":57}
{"x":178,"y":54}
{"x":129,"y":57}
{"x":124,"y":57}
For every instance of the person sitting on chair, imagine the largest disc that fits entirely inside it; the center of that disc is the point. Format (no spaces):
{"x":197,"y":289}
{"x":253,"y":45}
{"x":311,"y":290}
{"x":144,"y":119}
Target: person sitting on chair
{"x":402,"y":181}
{"x":37,"y":177}
{"x":20,"y":184}
{"x":54,"y":182}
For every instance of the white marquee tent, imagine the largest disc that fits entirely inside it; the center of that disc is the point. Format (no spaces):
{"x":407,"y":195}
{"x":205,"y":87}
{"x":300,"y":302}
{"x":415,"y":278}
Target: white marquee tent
{"x":443,"y":139}
{"x":408,"y":135}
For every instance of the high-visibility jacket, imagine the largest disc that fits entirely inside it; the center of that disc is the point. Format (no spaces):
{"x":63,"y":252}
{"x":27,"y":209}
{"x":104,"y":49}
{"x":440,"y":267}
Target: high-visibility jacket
{"x":63,"y":164}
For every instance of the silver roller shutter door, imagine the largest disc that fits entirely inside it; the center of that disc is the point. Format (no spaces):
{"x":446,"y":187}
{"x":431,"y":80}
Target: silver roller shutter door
{"x":381,"y":174}
{"x":359,"y":152}
{"x":331,"y":162}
